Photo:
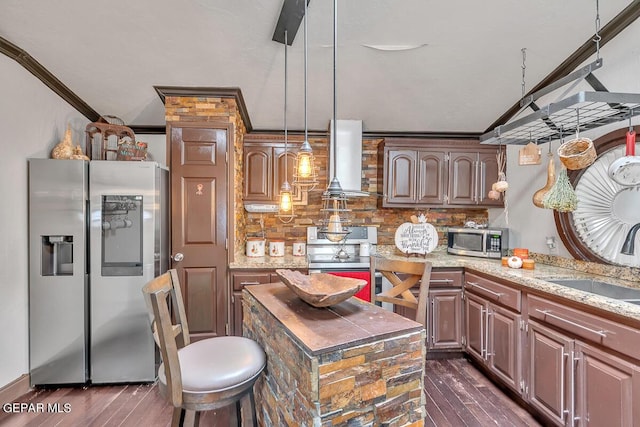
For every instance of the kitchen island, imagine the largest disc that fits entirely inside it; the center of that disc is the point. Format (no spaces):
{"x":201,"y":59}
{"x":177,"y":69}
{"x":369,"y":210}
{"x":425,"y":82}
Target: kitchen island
{"x":349,"y":363}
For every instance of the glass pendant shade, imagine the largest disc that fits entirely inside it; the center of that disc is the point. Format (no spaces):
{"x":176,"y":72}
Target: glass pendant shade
{"x":305,"y":172}
{"x":304,"y":168}
{"x":286,"y":204}
{"x":336,"y":217}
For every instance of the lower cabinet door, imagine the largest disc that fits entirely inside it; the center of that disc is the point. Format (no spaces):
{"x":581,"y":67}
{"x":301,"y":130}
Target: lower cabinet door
{"x":445,"y":326}
{"x":608,"y":387}
{"x":550,"y":372}
{"x":238,"y":281}
{"x":503,"y":348}
{"x":475,"y":326}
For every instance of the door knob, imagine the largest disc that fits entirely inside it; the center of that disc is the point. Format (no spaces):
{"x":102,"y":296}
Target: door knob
{"x":178,"y":257}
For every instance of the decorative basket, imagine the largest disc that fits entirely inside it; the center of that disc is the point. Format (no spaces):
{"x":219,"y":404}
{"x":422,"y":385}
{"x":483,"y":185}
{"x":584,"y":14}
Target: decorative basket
{"x":577,"y":153}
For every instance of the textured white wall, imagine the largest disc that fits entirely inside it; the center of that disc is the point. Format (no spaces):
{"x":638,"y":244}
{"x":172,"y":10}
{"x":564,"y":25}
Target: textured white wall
{"x":530,"y":225}
{"x":33,"y":120}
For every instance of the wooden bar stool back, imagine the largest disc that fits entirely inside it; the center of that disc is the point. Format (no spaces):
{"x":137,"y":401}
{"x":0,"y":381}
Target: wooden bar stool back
{"x":204,"y":375}
{"x":403,"y":275}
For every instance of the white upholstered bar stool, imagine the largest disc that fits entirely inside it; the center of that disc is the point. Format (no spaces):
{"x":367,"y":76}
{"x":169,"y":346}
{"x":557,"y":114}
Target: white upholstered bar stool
{"x":203,"y":375}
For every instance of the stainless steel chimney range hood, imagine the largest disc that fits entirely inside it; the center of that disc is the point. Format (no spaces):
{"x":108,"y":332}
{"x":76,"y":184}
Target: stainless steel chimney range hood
{"x":348,"y":161}
{"x":576,"y":113}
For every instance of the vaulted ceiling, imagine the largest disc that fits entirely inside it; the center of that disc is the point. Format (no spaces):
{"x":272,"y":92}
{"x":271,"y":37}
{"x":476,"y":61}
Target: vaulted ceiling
{"x":403,"y":65}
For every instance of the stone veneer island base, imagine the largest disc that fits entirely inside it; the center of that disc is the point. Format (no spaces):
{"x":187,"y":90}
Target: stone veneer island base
{"x":349,"y":364}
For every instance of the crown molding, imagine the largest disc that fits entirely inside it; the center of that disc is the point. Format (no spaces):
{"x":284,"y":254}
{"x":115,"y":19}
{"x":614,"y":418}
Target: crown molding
{"x":42,"y":74}
{"x":209,"y":92}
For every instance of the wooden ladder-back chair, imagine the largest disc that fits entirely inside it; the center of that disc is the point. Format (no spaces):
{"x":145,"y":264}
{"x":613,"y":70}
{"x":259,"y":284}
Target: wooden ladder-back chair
{"x":403,"y":275}
{"x":203,"y":375}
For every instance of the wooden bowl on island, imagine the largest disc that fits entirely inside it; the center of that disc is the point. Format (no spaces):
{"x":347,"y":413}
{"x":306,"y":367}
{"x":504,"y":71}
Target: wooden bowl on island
{"x":321,"y":289}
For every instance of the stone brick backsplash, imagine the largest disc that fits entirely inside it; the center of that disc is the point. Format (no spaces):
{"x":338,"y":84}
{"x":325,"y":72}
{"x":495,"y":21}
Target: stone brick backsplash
{"x":366,"y":210}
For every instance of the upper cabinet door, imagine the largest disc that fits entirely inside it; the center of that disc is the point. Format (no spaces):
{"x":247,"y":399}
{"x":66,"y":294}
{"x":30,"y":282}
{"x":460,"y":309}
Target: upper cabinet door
{"x":400,"y":185}
{"x":281,"y":163}
{"x":487,"y":175}
{"x":431,"y":177}
{"x":258,"y":173}
{"x":463,"y":172}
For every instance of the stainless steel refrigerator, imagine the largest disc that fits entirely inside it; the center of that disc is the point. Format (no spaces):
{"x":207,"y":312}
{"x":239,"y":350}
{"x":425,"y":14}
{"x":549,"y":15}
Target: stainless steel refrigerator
{"x":98,"y":231}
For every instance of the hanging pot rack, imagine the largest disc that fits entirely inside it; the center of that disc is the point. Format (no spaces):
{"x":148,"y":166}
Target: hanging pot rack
{"x":597,"y":108}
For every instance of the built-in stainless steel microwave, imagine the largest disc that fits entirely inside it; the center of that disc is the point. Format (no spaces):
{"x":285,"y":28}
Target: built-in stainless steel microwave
{"x":479,"y":242}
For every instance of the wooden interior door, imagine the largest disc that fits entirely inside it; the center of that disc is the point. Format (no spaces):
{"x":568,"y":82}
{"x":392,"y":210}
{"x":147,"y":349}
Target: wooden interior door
{"x":199,"y":212}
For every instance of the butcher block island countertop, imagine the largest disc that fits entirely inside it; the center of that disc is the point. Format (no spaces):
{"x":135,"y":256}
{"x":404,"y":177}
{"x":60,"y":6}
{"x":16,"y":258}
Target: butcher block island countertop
{"x":352,"y":362}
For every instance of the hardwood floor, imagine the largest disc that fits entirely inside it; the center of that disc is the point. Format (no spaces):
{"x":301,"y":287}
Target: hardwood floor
{"x":457,"y":395}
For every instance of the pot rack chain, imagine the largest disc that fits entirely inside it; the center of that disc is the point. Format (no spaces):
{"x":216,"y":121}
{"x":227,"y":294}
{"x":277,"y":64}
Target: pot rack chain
{"x":598,"y":108}
{"x":524,"y":67}
{"x":597,"y":37}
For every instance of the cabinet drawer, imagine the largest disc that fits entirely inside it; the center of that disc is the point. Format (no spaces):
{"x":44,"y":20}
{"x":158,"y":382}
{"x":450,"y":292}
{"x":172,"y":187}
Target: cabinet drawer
{"x":588,"y":326}
{"x":240,"y":280}
{"x":494,"y":291}
{"x":445,"y":279}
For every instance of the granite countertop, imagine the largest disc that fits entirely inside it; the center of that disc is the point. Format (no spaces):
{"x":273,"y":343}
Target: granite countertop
{"x":535,"y":279}
{"x":287,"y":261}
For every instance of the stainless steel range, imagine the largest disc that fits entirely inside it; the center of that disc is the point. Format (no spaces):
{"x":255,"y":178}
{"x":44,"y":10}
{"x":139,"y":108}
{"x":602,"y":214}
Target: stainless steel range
{"x":348,"y":258}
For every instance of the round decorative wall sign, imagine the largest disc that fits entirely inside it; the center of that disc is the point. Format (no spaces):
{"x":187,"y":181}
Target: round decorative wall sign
{"x":420,"y":238}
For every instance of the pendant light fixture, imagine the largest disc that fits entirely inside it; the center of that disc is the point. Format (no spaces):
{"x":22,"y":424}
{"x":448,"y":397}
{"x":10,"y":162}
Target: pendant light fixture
{"x":285,"y":205}
{"x":336,"y":215}
{"x":305,"y":172}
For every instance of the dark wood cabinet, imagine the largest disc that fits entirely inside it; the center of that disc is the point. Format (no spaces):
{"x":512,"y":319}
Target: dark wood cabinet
{"x":258,"y":170}
{"x":549,"y":370}
{"x":265,"y":161}
{"x":463,"y":178}
{"x":445,"y":321}
{"x":573,"y":381}
{"x":487,"y":174}
{"x":607,"y":389}
{"x":492,"y":327}
{"x":444,"y":316}
{"x":437,"y":173}
{"x":471,"y":175}
{"x":401,"y":172}
{"x":416,"y":177}
{"x":240,"y":279}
